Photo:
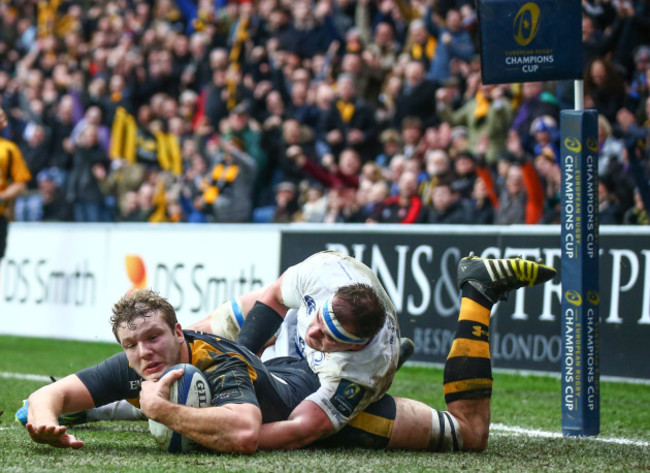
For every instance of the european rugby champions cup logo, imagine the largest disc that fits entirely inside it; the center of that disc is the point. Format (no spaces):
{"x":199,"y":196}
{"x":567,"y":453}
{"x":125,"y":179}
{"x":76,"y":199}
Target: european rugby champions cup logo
{"x":592,"y":145}
{"x":526,"y":24}
{"x":573,"y":297}
{"x":136,"y":272}
{"x":573,"y":144}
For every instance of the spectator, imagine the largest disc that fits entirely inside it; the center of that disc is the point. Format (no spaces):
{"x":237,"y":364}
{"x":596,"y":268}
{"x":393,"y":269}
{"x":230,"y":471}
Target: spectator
{"x":350,"y":121}
{"x":416,"y":97}
{"x":448,"y":207}
{"x":546,"y":135}
{"x":61,"y":126}
{"x":391,"y":144}
{"x":487,"y":113}
{"x":421,"y":45}
{"x":438,"y":169}
{"x":551,"y":178}
{"x":637,"y":215}
{"x":609,"y":208}
{"x":521,"y":200}
{"x":454,"y":43}
{"x":535,"y":103}
{"x":285,"y":209}
{"x":380,"y":57}
{"x":342,"y":205}
{"x":229,"y":190}
{"x":84,"y":192}
{"x":604,"y":88}
{"x":610,"y":149}
{"x":241,"y":126}
{"x":464,"y":174}
{"x":373,"y":198}
{"x":314,"y":208}
{"x":121,"y":179}
{"x":411,"y":135}
{"x":405,"y":207}
{"x":482,"y":209}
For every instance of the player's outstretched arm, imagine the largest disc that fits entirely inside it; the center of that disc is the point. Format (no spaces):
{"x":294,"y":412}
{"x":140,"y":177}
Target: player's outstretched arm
{"x":45,"y":405}
{"x":306,"y":424}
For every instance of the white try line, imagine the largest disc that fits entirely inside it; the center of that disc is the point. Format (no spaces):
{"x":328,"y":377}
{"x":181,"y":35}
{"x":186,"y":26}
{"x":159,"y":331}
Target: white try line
{"x":506,"y":429}
{"x":500,"y":430}
{"x":27,"y":377}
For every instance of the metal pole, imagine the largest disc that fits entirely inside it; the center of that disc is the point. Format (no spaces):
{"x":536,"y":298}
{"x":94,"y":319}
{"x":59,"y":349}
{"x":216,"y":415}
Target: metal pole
{"x":579,"y":95}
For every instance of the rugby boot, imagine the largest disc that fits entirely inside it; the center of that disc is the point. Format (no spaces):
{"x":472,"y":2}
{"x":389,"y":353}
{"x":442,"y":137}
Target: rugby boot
{"x":406,"y":349}
{"x":494,"y":278}
{"x":21,"y":414}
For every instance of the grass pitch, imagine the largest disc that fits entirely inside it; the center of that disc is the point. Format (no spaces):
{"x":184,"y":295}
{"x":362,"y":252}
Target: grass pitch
{"x":520,"y":404}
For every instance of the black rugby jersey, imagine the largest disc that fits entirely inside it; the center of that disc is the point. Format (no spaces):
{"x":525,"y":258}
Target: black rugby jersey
{"x":235,"y":374}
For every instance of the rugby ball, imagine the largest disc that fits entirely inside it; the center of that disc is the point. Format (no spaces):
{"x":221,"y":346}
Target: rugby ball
{"x":191,"y":389}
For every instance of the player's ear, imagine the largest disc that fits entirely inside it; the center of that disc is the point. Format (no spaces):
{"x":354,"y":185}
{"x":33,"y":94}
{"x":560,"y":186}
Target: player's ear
{"x":178,"y":332}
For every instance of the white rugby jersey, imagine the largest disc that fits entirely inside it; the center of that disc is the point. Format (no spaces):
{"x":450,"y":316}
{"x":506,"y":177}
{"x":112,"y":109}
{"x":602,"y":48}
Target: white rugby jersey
{"x":350,"y":380}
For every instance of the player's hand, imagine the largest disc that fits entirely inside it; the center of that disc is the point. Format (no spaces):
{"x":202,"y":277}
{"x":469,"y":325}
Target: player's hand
{"x":155,"y":394}
{"x":54,"y":435}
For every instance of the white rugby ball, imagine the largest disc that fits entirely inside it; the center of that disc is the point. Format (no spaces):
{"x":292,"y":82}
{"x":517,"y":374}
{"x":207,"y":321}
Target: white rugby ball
{"x":191,"y":389}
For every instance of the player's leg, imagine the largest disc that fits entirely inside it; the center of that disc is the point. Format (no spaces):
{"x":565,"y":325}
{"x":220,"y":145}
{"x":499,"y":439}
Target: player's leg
{"x":468,"y":371}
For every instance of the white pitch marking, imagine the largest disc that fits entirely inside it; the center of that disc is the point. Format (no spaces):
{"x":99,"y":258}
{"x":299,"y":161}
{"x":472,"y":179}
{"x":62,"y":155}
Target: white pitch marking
{"x":28,"y":377}
{"x":543,"y":434}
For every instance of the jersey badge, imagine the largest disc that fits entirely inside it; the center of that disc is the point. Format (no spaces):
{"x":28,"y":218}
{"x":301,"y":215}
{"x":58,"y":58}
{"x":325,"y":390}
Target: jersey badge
{"x":311,"y":304}
{"x":347,"y":397}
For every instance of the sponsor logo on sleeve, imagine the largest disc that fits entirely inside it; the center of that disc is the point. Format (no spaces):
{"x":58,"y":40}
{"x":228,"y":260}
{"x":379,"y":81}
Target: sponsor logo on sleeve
{"x":347,"y":397}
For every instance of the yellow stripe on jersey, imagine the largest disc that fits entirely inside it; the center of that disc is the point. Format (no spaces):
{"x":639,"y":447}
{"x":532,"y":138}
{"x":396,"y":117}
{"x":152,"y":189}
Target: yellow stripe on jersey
{"x":467,"y":385}
{"x":373,"y":424}
{"x":202,"y":358}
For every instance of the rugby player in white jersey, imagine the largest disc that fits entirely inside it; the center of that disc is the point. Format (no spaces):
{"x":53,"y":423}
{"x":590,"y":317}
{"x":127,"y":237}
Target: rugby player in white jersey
{"x":324,"y":299}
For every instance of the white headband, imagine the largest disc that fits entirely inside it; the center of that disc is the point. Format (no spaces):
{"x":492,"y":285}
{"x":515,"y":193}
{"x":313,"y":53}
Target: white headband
{"x":335,"y":328}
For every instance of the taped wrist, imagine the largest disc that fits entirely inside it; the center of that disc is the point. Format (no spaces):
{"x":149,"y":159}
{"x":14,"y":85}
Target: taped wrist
{"x":261,"y":324}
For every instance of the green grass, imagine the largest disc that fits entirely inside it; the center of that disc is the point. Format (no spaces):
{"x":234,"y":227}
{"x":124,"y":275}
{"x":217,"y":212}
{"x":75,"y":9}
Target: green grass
{"x":525,"y":401}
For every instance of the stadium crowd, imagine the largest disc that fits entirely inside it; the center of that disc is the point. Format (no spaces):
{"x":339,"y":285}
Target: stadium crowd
{"x":307,"y":110}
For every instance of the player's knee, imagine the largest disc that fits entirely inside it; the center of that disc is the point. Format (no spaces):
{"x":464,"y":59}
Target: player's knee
{"x":475,"y":431}
{"x":474,"y":421}
{"x":475,"y":438}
